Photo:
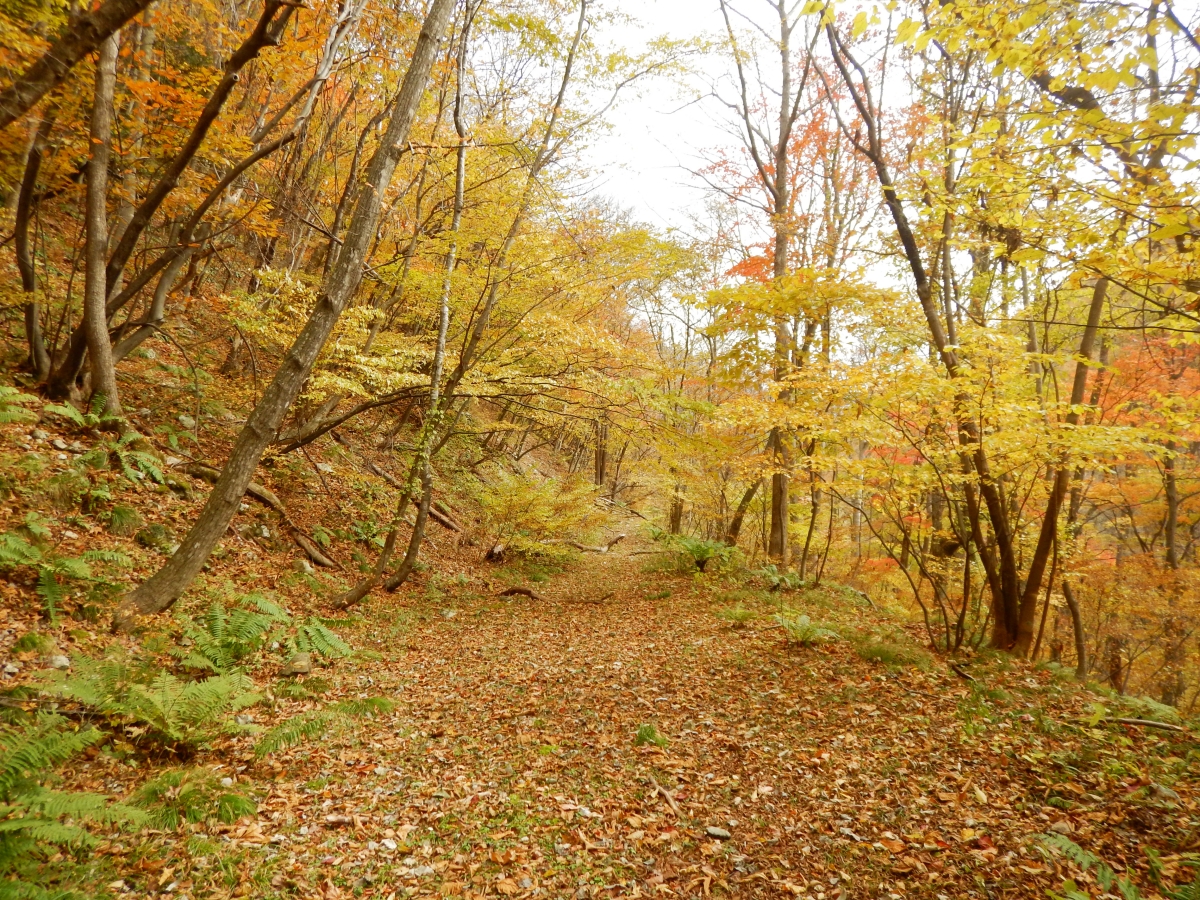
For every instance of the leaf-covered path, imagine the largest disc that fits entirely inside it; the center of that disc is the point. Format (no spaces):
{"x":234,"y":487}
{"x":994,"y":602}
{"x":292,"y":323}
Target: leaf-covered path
{"x":512,"y":765}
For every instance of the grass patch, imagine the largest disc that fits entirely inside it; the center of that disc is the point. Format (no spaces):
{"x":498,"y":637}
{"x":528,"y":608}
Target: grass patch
{"x":648,"y":734}
{"x":737,"y":616}
{"x":892,"y":655}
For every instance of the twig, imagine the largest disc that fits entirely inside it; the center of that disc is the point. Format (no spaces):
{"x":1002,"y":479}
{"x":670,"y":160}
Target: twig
{"x":666,"y":795}
{"x":521,"y":592}
{"x":1148,"y":723}
{"x":959,"y":672}
{"x":900,"y":684}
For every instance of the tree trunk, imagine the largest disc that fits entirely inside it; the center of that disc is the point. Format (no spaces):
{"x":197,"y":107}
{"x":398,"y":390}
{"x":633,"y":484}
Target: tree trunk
{"x":83,"y":34}
{"x":165,"y":587}
{"x":39,"y":359}
{"x":1027,"y":616}
{"x":735,"y":526}
{"x":1171,"y":490}
{"x":267,"y":32}
{"x":104,"y":377}
{"x":422,"y":465}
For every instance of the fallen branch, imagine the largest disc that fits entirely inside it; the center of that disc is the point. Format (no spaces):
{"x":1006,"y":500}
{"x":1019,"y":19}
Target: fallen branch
{"x":1148,"y":723}
{"x":521,"y":592}
{"x":267,"y":498}
{"x":959,"y":672}
{"x":900,"y":684}
{"x":666,"y":795}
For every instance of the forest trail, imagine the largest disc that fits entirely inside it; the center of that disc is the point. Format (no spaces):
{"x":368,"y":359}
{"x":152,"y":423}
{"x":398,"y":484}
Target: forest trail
{"x":512,"y":767}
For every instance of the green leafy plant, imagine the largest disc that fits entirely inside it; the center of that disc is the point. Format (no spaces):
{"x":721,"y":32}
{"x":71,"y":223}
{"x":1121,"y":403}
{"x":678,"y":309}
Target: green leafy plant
{"x":123,"y":520}
{"x":648,"y":734}
{"x":775,"y":580}
{"x":191,"y":795}
{"x":12,"y":406}
{"x":316,"y":723}
{"x":1105,"y":876}
{"x":40,"y":828}
{"x":53,"y":571}
{"x":91,"y":419}
{"x":737,"y":616}
{"x":803,"y":631}
{"x":891,"y":654}
{"x":155,"y":705}
{"x":220,"y":639}
{"x":125,"y":455}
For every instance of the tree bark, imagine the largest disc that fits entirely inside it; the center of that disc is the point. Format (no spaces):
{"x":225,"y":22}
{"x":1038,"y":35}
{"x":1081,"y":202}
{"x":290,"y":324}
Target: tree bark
{"x":165,"y":587}
{"x":1027,"y":615}
{"x":83,"y":34}
{"x":735,"y":524}
{"x":39,"y":359}
{"x":104,"y":376}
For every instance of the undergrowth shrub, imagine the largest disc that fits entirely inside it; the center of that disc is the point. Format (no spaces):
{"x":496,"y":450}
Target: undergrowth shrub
{"x":803,"y":631}
{"x":648,"y":734}
{"x":737,"y":616}
{"x":694,"y":554}
{"x":153,"y":705}
{"x":191,"y":795}
{"x":43,"y":832}
{"x":221,"y":639}
{"x":533,"y":516}
{"x":889,"y":654}
{"x":54,"y":574}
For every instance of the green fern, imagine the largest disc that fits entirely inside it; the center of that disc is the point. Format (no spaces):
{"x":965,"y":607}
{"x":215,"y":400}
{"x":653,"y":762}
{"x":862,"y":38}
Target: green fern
{"x":1105,"y":876}
{"x":314,"y":637}
{"x":91,"y":420}
{"x":12,"y":406}
{"x":36,"y":821}
{"x":220,"y":639}
{"x":52,"y":571}
{"x":317,"y":723}
{"x":191,"y":795}
{"x":803,"y":631}
{"x":156,"y":706}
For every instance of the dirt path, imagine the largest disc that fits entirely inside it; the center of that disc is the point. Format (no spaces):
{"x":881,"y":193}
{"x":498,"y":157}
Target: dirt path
{"x":511,"y":766}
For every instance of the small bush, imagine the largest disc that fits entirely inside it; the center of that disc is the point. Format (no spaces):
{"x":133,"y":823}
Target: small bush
{"x":191,"y":795}
{"x":736,"y":616}
{"x":803,"y":631}
{"x":648,"y":734}
{"x":123,"y":520}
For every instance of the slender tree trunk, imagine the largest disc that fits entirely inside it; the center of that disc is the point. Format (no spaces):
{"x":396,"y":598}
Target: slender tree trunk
{"x":1028,"y":608}
{"x":735,"y":525}
{"x":1171,"y":490}
{"x":165,"y":587}
{"x":39,"y":359}
{"x":104,"y":376}
{"x":1081,"y":657}
{"x":422,"y":465}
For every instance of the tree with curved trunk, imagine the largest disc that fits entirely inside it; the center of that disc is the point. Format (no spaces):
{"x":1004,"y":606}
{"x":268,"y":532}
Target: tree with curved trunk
{"x":162,"y":590}
{"x":83,"y":35}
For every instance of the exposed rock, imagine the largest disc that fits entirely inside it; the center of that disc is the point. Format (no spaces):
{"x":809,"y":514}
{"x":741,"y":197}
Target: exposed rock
{"x":58,"y":661}
{"x":299,"y":664}
{"x":187,"y":421}
{"x":1061,"y":827}
{"x":719,"y":833}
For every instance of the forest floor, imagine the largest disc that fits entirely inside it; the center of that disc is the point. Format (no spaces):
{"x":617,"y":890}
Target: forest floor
{"x":634,"y":729}
{"x":512,"y":764}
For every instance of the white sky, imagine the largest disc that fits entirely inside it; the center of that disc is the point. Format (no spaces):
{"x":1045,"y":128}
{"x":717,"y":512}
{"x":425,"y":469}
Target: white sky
{"x":658,"y":135}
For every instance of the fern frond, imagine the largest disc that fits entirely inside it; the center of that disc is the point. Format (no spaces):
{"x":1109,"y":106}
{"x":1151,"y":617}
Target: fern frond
{"x":39,"y":745}
{"x":314,"y":724}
